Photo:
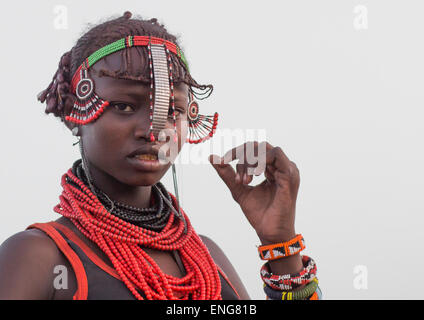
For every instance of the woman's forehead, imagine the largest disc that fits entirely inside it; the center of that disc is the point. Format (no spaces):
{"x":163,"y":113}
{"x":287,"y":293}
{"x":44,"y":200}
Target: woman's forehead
{"x":114,"y":89}
{"x":130,"y":60}
{"x":110,"y":88}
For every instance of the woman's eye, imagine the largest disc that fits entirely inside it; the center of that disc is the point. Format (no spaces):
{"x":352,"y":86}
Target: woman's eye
{"x":123,"y":107}
{"x":177,"y":112}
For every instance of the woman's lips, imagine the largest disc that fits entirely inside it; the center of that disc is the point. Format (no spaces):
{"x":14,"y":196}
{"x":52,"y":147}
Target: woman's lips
{"x":146,"y":157}
{"x":145,"y":162}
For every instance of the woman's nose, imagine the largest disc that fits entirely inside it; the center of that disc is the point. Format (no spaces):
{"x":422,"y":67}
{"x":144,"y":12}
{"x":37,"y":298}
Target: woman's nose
{"x":142,"y":125}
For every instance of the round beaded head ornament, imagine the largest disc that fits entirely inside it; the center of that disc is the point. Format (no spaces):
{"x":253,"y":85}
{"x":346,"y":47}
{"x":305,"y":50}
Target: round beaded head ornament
{"x":89,"y":106}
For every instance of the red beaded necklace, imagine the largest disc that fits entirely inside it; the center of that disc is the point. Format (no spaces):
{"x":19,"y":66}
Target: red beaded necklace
{"x":123,"y":243}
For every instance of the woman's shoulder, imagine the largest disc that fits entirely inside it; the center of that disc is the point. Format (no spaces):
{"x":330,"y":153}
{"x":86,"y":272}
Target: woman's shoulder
{"x":27,"y":262}
{"x":224,"y":263}
{"x":29,"y":244}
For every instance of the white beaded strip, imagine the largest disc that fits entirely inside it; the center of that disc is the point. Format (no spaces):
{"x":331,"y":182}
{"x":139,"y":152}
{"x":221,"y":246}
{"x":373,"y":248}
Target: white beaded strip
{"x":162,"y":90}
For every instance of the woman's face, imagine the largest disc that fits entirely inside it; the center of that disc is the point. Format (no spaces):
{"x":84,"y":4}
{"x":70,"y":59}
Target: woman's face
{"x":124,"y":126}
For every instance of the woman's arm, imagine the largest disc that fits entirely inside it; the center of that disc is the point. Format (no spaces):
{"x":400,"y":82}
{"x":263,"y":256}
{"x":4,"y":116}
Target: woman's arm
{"x":222,"y":261}
{"x":269,"y":206}
{"x":27,"y":261}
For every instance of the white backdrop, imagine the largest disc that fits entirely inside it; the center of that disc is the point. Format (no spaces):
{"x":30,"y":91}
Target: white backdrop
{"x":336,"y":84}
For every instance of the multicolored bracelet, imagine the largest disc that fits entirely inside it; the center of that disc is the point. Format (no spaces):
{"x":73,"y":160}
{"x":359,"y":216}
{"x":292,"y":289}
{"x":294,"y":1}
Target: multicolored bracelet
{"x":301,"y":294}
{"x":283,"y":249}
{"x":290,"y":281}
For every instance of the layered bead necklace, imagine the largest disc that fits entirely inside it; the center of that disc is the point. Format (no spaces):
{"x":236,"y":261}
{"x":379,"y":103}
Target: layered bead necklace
{"x":123,"y":242}
{"x":152,"y":218}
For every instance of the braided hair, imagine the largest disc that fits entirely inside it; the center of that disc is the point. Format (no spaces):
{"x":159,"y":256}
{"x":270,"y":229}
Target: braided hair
{"x":58,"y":97}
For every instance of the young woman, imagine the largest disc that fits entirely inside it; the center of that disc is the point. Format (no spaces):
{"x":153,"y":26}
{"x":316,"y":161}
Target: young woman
{"x":125,"y":90}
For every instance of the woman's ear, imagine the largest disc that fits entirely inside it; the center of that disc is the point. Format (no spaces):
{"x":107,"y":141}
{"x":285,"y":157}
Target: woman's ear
{"x":68,"y":105}
{"x":75,"y":129}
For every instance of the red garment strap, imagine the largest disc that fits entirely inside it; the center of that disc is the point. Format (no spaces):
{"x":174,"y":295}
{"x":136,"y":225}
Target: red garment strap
{"x":228,"y":280}
{"x":86,"y":249}
{"x":82,"y":290}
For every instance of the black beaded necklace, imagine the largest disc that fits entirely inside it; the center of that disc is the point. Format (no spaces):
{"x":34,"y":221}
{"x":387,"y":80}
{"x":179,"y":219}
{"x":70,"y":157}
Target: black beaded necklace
{"x":153,"y":218}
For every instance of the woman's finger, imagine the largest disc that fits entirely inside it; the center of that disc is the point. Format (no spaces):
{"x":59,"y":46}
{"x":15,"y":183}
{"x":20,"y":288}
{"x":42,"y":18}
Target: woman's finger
{"x":264,"y":147}
{"x":228,"y":175}
{"x":278,"y":159}
{"x":252,"y":154}
{"x":241,"y":170}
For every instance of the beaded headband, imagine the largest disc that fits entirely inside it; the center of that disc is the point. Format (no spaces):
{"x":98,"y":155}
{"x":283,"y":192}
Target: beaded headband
{"x":89,"y":106}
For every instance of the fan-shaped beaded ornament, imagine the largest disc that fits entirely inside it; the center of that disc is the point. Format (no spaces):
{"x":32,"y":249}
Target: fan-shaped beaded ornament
{"x":201,"y":128}
{"x":89,"y":106}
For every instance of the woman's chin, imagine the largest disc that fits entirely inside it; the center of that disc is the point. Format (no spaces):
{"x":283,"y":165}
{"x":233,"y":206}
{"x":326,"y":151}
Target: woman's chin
{"x":144,"y":179}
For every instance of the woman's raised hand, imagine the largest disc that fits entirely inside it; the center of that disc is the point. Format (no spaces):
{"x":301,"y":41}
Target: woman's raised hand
{"x":271,"y":205}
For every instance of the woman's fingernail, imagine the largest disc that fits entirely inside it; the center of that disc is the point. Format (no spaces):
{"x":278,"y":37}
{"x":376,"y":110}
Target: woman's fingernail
{"x":237,"y":177}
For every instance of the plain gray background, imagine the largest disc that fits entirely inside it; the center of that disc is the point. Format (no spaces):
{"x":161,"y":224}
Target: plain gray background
{"x":344,"y":103}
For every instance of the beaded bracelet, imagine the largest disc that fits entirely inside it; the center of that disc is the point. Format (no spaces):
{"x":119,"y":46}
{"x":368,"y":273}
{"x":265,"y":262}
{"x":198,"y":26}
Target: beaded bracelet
{"x":317,"y":295}
{"x":290,"y":281}
{"x":283,"y":249}
{"x":301,"y":294}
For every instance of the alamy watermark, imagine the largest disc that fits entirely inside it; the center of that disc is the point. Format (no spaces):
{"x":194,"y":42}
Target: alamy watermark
{"x":360,"y":19}
{"x":229,"y":144}
{"x":60,"y":21}
{"x":360,"y":280}
{"x":61,"y":280}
